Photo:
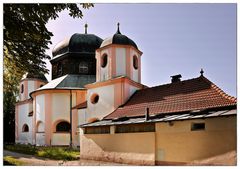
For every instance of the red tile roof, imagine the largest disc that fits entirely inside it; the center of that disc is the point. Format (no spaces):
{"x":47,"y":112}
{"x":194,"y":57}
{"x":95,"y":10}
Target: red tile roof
{"x":193,"y":94}
{"x":81,"y":105}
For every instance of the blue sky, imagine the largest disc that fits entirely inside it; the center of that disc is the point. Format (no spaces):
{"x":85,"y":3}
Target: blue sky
{"x":174,"y":38}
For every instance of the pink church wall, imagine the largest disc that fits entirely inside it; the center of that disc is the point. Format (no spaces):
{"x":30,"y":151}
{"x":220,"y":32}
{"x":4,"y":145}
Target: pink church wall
{"x":50,"y":111}
{"x":123,"y":56}
{"x":48,"y":118}
{"x":112,"y":94}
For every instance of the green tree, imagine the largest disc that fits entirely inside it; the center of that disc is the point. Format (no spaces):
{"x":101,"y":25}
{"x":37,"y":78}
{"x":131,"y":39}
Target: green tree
{"x":26,"y":40}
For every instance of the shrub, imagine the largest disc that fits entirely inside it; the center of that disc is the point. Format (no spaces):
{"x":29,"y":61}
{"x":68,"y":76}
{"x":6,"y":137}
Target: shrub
{"x":57,"y":153}
{"x":8,"y":160}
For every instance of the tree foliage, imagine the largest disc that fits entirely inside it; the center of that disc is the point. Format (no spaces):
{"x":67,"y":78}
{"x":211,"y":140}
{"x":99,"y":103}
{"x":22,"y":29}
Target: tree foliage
{"x":26,"y":40}
{"x":26,"y":37}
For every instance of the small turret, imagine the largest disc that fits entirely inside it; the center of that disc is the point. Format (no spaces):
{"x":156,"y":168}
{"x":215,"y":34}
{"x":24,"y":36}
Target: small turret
{"x":29,"y":83}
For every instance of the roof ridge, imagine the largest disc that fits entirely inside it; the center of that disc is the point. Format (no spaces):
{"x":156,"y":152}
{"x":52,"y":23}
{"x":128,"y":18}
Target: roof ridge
{"x":220,"y":91}
{"x":168,"y":84}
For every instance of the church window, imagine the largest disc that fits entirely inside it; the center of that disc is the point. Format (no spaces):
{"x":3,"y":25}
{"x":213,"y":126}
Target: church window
{"x":25,"y":128}
{"x":63,"y":127}
{"x":59,"y":69}
{"x":83,"y":67}
{"x":197,"y":126}
{"x":94,"y":98}
{"x":22,"y":88}
{"x":104,"y":60}
{"x":135,"y":62}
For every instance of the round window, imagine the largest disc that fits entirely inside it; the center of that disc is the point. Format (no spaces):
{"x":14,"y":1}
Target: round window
{"x":135,"y":62}
{"x":94,"y":98}
{"x":104,"y":60}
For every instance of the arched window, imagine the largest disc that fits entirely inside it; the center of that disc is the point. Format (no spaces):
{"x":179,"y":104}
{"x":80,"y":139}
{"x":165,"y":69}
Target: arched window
{"x":83,"y":67}
{"x":135,"y":62}
{"x":59,"y":69}
{"x":25,"y":128}
{"x":22,"y":88}
{"x":104,"y":60}
{"x":63,"y":127}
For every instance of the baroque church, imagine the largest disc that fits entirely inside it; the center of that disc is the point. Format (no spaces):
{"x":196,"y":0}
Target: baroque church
{"x":96,"y":101}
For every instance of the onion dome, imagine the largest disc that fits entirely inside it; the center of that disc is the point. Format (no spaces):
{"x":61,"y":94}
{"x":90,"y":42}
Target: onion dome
{"x":78,"y":43}
{"x":119,"y":39}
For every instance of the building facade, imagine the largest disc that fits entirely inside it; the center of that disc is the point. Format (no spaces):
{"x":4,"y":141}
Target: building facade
{"x":96,"y":101}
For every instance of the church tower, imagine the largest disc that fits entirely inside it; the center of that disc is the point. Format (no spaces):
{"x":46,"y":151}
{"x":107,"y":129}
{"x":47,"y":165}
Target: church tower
{"x":24,"y":107}
{"x":75,"y":55}
{"x":117,"y":56}
{"x":118,"y":75}
{"x":31,"y":82}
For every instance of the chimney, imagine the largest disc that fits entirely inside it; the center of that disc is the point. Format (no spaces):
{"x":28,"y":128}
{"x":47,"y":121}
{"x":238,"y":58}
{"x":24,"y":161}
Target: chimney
{"x":176,"y":78}
{"x":147,"y":114}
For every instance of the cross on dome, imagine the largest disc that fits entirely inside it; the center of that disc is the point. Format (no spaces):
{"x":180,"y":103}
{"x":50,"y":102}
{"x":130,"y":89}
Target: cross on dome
{"x":118,"y":29}
{"x":86,"y":25}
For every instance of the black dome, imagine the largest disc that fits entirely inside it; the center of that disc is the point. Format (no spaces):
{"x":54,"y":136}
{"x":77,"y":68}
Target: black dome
{"x":77,"y":43}
{"x":119,"y":39}
{"x":39,"y":76}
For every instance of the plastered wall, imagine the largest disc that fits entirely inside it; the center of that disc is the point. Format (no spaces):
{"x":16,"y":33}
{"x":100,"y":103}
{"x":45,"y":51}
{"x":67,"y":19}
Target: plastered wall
{"x":55,"y":111}
{"x":23,"y":111}
{"x":177,"y":143}
{"x":40,"y":139}
{"x":120,"y":62}
{"x":105,"y":104}
{"x":59,"y":109}
{"x":171,"y":144}
{"x":60,"y":139}
{"x":82,"y":116}
{"x":40,"y":108}
{"x":103,"y":72}
{"x":132,"y":148}
{"x":136,"y":73}
{"x":29,"y":85}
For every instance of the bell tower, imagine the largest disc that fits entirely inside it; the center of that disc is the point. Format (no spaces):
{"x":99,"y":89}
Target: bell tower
{"x":118,"y":56}
{"x":118,"y":75}
{"x":29,"y":83}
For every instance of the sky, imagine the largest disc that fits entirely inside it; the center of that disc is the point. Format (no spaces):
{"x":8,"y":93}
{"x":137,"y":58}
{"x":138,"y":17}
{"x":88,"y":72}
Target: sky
{"x":174,"y":38}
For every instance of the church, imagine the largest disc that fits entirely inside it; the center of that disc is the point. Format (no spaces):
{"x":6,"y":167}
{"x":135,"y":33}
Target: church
{"x":96,"y":101}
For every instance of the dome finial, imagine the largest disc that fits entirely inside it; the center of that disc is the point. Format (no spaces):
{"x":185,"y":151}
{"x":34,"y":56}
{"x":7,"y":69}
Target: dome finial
{"x":201,"y":72}
{"x":86,"y":25}
{"x":118,"y":30}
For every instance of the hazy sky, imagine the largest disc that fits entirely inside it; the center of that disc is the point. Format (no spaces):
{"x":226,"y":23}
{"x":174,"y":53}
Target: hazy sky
{"x":174,"y":38}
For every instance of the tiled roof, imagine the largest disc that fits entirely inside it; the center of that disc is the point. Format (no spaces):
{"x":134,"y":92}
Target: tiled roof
{"x":81,"y":105}
{"x":194,"y":94}
{"x":70,"y":81}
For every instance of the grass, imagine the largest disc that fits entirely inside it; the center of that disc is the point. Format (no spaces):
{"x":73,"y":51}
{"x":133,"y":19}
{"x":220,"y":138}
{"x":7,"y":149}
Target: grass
{"x":56,"y":153}
{"x":9,"y":160}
